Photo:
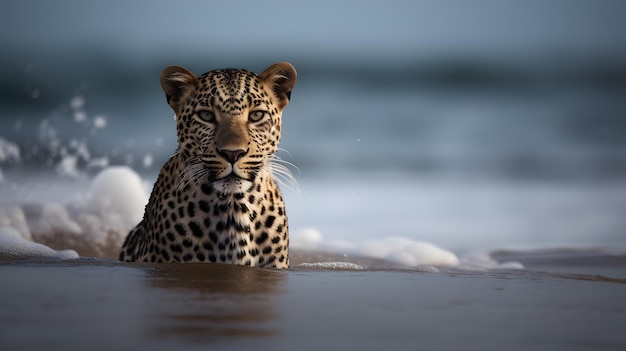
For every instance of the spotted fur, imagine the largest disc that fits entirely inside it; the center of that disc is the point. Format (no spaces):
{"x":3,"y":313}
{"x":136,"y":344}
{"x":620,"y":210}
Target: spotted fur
{"x":216,"y":199}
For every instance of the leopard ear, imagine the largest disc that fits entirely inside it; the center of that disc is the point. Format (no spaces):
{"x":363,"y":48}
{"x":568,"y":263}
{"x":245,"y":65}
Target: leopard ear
{"x":177,"y":82}
{"x":281,"y":78}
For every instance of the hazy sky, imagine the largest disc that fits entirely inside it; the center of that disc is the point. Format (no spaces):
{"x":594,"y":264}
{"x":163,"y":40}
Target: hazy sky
{"x":320,"y":27}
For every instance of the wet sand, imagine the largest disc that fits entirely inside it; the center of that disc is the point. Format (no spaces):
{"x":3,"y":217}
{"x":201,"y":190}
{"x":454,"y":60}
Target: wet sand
{"x":100,"y":304}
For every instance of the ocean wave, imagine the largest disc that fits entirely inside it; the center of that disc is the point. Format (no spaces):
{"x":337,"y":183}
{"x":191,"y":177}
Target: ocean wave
{"x":96,"y":222}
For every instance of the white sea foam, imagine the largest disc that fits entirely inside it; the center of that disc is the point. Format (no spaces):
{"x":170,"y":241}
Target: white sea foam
{"x":400,"y":251}
{"x":15,"y":247}
{"x":118,"y":190}
{"x":13,"y":217}
{"x":397,"y":250}
{"x":95,"y":223}
{"x":332,"y":265}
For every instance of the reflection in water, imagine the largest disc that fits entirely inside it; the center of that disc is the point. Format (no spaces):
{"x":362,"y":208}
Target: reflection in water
{"x":207,"y":302}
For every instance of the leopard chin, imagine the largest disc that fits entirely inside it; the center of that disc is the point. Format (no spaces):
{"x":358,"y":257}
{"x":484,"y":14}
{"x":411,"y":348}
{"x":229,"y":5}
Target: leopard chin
{"x":231,"y":184}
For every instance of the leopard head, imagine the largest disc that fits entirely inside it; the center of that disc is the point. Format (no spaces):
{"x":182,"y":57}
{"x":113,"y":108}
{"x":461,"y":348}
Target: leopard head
{"x":228,"y":121}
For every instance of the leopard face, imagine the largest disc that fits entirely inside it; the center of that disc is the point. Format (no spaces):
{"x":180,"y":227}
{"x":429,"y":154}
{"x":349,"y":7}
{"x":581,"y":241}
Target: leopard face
{"x":228,"y":121}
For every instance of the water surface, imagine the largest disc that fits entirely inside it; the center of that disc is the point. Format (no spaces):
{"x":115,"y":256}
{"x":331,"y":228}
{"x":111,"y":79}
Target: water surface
{"x":103,"y":304}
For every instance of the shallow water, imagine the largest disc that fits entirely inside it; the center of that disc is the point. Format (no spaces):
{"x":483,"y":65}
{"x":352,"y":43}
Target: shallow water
{"x":102,"y":304}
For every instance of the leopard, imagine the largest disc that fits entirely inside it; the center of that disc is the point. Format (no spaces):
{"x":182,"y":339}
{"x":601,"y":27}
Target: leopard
{"x":217,"y":198}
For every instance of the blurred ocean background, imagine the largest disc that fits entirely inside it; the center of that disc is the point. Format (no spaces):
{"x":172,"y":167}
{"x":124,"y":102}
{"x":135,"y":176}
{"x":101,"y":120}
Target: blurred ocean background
{"x":475,"y":125}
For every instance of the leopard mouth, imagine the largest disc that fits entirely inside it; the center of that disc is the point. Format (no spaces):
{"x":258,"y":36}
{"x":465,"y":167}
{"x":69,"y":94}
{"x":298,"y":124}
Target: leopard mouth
{"x":229,"y":174}
{"x":232,"y":176}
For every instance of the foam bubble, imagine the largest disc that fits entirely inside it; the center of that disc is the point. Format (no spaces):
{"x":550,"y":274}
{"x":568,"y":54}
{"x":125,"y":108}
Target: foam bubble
{"x":14,"y":247}
{"x":332,"y":265}
{"x":98,"y":162}
{"x":118,"y":190}
{"x":68,"y":167}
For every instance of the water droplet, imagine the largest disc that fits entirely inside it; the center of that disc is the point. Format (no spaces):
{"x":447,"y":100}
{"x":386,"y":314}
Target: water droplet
{"x":77,"y":102}
{"x":147,"y":161}
{"x":80,"y":116}
{"x":100,"y":122}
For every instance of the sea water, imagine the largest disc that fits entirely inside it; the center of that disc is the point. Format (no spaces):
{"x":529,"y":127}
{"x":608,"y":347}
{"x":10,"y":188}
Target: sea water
{"x":426,"y":218}
{"x":104,"y":304}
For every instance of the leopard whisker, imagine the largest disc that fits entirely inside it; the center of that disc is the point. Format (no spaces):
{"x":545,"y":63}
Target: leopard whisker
{"x":282,"y":173}
{"x":191,"y":174}
{"x":278,"y":160}
{"x":280,"y":149}
{"x":200,"y":176}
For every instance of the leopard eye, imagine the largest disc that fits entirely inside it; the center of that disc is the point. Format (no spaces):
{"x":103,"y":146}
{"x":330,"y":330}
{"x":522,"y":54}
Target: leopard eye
{"x":207,"y":116}
{"x":257,"y":115}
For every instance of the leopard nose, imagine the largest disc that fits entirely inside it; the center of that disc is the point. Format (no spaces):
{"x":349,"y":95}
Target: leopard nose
{"x":232,"y":155}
